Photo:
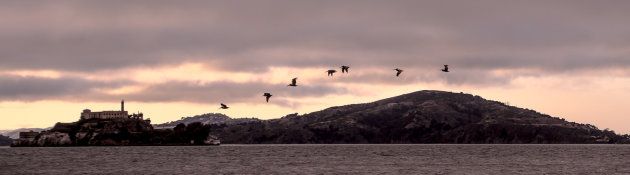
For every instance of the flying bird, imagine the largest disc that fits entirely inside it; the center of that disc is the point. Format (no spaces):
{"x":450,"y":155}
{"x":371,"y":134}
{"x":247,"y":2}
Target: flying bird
{"x":293,"y":82}
{"x":445,"y":68}
{"x":398,"y":71}
{"x":223,"y":106}
{"x":344,"y":69}
{"x":331,"y":72}
{"x":267,"y":94}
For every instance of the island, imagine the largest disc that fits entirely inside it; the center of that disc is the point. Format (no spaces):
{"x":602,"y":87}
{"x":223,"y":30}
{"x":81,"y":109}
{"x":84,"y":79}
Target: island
{"x":427,"y":116}
{"x":116,"y":128}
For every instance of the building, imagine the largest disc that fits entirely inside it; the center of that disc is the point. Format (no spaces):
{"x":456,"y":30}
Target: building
{"x":122,"y":114}
{"x":87,"y":114}
{"x":26,"y":137}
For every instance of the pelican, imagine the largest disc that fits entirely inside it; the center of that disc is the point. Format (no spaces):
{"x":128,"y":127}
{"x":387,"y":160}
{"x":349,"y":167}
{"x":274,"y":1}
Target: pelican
{"x":223,"y":106}
{"x":267,"y":94}
{"x":398,"y":71}
{"x":331,"y":72}
{"x":445,"y":68}
{"x":293,"y":82}
{"x":344,"y":69}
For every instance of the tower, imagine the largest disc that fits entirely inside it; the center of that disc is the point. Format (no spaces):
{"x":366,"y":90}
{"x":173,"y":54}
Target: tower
{"x":122,"y":105}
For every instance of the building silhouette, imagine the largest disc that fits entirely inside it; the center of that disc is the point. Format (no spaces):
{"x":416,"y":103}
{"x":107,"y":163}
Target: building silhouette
{"x":122,"y":114}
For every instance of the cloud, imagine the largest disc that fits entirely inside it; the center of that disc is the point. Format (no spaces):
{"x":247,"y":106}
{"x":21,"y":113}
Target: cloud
{"x":226,"y":92}
{"x":18,"y":88}
{"x":86,"y":39}
{"x":86,"y":36}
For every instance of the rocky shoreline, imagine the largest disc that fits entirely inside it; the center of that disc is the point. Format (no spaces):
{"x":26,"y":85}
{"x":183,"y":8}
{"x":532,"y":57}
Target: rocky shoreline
{"x":114,"y":132}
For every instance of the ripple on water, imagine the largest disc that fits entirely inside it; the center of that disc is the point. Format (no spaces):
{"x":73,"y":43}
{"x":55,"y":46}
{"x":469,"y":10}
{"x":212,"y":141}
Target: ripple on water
{"x":317,"y":159}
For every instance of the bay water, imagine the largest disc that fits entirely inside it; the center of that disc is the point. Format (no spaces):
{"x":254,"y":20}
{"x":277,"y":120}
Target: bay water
{"x":320,"y":159}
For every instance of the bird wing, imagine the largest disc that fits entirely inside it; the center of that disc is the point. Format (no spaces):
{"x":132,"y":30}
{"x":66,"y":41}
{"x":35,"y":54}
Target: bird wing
{"x":294,"y":80}
{"x":223,"y":105}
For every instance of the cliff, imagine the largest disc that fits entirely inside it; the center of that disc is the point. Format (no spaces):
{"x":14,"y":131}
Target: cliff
{"x":93,"y":132}
{"x":419,"y":117}
{"x":117,"y":132}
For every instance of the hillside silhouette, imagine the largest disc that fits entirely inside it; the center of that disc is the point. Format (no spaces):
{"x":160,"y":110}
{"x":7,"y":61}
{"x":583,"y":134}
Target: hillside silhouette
{"x":5,"y":141}
{"x":418,"y":117}
{"x":209,"y":118}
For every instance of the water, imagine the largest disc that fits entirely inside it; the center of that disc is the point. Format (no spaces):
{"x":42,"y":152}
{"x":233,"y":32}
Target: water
{"x":320,"y":159}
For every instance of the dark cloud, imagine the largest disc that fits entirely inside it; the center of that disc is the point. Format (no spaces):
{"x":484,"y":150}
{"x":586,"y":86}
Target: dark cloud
{"x":414,"y":76}
{"x":250,"y":37}
{"x":16,"y":88}
{"x":228,"y":92}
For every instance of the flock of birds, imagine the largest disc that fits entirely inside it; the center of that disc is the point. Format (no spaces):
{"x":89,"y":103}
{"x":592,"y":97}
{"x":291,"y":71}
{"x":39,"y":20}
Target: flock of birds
{"x":344,"y":69}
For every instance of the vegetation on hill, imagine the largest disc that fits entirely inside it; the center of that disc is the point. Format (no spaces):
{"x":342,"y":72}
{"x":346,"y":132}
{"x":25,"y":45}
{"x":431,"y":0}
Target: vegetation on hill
{"x":194,"y":133}
{"x":419,"y":117}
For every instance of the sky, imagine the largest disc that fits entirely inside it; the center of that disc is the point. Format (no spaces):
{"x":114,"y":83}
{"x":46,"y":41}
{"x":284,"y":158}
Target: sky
{"x":172,"y":59}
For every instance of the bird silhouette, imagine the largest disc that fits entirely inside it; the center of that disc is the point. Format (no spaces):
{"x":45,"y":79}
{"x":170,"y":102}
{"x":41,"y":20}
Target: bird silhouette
{"x":398,"y":71}
{"x":445,"y":68}
{"x":267,"y":94}
{"x":293,"y":82}
{"x":331,"y":72}
{"x":344,"y":69}
{"x":223,"y":106}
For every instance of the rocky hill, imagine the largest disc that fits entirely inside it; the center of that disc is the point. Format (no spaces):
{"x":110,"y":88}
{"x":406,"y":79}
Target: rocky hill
{"x":116,"y":132}
{"x":93,"y":132}
{"x":209,"y":118}
{"x":419,"y":117}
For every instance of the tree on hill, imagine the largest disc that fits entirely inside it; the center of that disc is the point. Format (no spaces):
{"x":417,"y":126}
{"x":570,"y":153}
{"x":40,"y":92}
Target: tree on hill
{"x":197,"y":132}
